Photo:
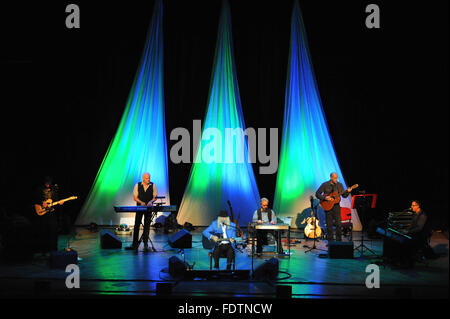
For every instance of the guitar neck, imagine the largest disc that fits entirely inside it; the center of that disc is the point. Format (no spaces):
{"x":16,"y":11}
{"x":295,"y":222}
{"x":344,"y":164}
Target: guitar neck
{"x":61,"y":201}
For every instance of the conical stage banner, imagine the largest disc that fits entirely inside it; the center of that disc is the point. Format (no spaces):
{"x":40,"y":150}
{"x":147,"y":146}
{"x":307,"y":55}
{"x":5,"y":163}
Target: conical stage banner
{"x":221,"y":171}
{"x":139,"y":145}
{"x":307,"y":155}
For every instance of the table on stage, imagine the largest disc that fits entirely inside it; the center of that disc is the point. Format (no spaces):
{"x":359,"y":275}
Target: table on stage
{"x":276,"y":227}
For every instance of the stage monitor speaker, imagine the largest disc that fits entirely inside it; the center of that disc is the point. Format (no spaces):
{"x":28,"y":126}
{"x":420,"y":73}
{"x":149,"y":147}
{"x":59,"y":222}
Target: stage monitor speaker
{"x":177,"y":268}
{"x":109,"y":241}
{"x":60,"y":259}
{"x":182,"y":239}
{"x":268,"y":270}
{"x":340,"y":250}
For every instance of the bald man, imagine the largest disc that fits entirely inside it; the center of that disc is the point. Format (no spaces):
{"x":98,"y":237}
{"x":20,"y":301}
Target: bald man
{"x":333,"y":216}
{"x":144,"y":194}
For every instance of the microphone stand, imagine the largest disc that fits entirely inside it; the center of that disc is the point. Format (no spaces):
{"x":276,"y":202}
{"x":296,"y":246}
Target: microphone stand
{"x":315,"y":223}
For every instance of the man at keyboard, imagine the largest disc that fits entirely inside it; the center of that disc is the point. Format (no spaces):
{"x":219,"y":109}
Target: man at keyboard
{"x":144,"y":194}
{"x":222,"y":232}
{"x":265,"y":215}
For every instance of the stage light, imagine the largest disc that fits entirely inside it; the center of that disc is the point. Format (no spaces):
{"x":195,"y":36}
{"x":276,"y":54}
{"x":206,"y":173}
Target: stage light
{"x":140,"y":142}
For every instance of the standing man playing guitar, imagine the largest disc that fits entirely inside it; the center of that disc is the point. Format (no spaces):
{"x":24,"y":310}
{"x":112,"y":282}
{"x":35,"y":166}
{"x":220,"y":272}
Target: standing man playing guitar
{"x":144,"y":193}
{"x":46,"y":225}
{"x":329,"y":194}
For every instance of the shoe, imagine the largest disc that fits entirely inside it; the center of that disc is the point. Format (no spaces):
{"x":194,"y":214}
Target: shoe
{"x":146,"y":248}
{"x":132,"y":247}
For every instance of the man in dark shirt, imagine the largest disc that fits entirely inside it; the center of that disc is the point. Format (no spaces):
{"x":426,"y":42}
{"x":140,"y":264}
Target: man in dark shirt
{"x":144,"y":193}
{"x":333,"y":216}
{"x":418,"y":229}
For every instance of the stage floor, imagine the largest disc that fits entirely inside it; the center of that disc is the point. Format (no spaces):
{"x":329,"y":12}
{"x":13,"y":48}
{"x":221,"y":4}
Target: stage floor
{"x":126,"y":273}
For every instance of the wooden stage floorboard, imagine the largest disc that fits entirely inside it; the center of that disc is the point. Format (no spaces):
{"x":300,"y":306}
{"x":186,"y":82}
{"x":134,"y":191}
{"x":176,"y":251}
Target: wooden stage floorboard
{"x":126,"y":273}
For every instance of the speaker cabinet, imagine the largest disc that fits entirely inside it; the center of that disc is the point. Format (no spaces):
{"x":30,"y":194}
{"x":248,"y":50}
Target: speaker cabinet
{"x":340,"y":250}
{"x":182,"y":239}
{"x":176,"y":267}
{"x":109,"y":241}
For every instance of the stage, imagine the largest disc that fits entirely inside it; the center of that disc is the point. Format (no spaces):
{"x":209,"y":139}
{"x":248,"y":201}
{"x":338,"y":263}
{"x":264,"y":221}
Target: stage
{"x":119,"y":272}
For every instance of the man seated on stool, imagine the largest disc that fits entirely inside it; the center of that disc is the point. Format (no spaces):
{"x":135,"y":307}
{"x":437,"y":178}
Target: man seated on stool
{"x":265,"y":215}
{"x":419,"y":230}
{"x":222,"y":228}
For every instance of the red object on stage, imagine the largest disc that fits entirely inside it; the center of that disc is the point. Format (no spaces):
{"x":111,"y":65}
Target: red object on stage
{"x":374,"y":199}
{"x":346,"y":214}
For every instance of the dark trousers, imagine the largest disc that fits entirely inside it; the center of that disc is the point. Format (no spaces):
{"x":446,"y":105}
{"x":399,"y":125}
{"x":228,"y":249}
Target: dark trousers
{"x":224,"y":250}
{"x":333,"y":217}
{"x":261,"y":238}
{"x":137,"y":224}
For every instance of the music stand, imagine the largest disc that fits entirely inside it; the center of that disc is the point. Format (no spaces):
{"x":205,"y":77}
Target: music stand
{"x":314,"y":215}
{"x":362,"y":203}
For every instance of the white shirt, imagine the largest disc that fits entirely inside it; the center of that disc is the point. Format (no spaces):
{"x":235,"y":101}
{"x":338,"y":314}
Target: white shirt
{"x":224,"y":228}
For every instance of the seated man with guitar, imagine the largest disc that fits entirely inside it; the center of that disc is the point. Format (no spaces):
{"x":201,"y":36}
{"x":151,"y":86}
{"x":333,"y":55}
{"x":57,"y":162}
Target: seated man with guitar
{"x":221,"y":232}
{"x":265,"y":215}
{"x":329,"y":194}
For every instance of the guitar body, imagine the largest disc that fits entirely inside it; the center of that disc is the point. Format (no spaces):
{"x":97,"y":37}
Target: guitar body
{"x":208,"y":243}
{"x":42,"y":209}
{"x":312,"y":229}
{"x":328,"y":204}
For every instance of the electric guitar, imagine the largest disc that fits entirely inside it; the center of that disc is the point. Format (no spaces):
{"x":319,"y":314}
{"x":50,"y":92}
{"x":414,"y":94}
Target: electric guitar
{"x":336,"y":198}
{"x":42,"y":210}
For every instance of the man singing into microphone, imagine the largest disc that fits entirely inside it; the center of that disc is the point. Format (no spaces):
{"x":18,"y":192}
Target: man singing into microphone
{"x":222,"y":231}
{"x":144,"y":194}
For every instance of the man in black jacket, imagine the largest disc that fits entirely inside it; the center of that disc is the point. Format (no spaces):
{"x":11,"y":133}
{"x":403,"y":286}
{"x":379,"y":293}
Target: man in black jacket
{"x":419,"y":229}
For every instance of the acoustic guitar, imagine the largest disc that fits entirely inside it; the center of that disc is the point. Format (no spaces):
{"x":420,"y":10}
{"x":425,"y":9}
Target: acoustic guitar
{"x":336,"y":198}
{"x":41,"y":210}
{"x":312,"y":229}
{"x":210,"y":244}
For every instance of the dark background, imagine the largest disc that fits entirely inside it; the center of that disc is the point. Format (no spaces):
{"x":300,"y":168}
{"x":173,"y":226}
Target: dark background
{"x":384,"y":91}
